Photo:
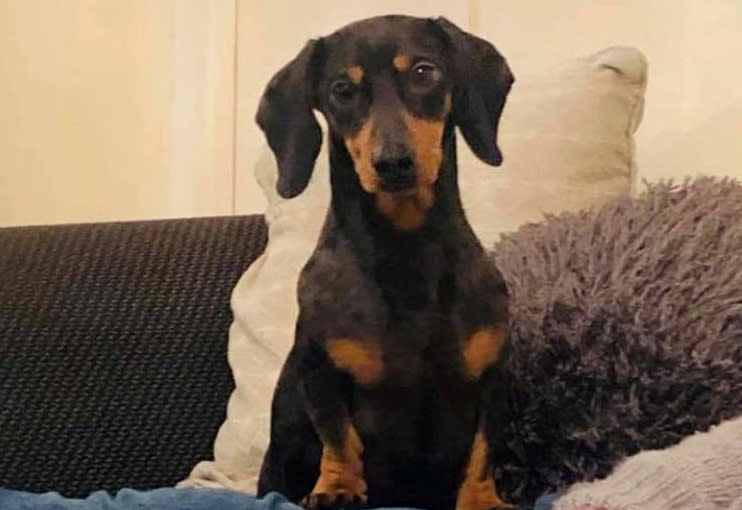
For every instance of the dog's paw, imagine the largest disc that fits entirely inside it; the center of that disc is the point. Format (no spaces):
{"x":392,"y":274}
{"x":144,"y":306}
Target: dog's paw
{"x":338,"y":499}
{"x":337,"y":490}
{"x":480,"y":495}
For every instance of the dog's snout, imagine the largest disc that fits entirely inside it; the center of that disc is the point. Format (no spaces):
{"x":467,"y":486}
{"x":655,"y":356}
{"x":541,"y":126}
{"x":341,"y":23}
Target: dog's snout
{"x":390,"y":167}
{"x":396,"y":173}
{"x":395,"y":167}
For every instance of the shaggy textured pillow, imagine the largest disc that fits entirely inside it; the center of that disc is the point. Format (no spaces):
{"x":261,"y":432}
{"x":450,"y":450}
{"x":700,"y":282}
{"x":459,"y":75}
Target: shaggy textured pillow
{"x":627,"y":330}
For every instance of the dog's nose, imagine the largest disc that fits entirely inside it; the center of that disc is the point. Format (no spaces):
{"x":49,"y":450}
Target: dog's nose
{"x":396,"y":172}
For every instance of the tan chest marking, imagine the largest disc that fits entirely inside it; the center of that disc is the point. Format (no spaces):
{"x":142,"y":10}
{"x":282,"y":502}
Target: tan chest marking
{"x":483,"y":349}
{"x":364,"y":361}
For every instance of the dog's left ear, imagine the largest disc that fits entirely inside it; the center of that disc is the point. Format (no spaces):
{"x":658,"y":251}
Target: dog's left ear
{"x":483,"y":82}
{"x":286,"y":117}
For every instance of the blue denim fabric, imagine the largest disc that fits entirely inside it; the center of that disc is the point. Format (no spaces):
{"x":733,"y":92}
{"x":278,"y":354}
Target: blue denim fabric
{"x":161,"y":499}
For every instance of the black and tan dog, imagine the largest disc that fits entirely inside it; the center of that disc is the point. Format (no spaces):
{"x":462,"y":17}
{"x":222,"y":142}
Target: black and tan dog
{"x":392,"y":393}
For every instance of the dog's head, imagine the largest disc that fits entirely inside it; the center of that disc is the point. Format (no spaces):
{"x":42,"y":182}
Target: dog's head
{"x":387,"y":87}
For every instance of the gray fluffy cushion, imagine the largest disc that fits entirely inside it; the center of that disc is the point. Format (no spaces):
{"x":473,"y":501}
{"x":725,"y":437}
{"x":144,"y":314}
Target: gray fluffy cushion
{"x":626,"y":331}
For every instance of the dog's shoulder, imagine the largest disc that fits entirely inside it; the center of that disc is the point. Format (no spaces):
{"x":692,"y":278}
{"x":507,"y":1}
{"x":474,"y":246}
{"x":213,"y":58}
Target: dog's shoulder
{"x":336,"y":296}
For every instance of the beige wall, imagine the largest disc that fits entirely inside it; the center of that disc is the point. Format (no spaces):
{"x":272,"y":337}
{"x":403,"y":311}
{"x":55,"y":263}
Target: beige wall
{"x":693,"y":115}
{"x":114,"y":109}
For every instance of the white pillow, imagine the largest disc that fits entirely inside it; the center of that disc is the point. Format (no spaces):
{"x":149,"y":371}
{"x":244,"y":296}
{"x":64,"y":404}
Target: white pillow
{"x":567,"y":139}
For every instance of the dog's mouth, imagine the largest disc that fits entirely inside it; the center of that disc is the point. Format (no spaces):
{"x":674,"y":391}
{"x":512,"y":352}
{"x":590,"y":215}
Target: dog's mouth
{"x":407,"y":192}
{"x":400,"y":185}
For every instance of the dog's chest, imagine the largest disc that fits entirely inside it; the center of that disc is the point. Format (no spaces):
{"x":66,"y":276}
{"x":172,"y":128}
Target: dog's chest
{"x":418,"y":411}
{"x":425,"y":401}
{"x":438,"y":326}
{"x":422,"y":353}
{"x":422,"y":346}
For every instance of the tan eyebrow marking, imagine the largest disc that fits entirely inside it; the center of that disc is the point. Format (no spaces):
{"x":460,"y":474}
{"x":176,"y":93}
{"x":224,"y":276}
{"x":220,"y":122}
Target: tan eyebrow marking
{"x":355,"y":74}
{"x":401,"y":62}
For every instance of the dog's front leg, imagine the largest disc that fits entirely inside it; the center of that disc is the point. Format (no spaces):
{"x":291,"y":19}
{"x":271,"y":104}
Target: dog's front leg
{"x":477,"y":490}
{"x":325,"y":387}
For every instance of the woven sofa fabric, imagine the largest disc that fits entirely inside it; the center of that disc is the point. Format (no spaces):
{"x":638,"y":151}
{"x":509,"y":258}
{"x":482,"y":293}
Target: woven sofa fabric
{"x":113,"y":349}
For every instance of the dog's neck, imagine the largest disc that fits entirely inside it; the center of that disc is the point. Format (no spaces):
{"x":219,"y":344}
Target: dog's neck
{"x":410,"y":266}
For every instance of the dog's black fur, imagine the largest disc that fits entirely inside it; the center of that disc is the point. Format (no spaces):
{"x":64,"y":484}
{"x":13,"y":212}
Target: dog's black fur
{"x":397,"y":274}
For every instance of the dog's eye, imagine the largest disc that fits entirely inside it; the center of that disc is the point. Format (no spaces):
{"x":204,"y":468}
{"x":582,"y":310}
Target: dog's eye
{"x":343,"y":90}
{"x":424,"y":74}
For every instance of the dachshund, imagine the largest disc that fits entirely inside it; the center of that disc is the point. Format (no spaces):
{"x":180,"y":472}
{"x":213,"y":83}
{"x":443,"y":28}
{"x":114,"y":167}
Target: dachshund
{"x":393,"y":392}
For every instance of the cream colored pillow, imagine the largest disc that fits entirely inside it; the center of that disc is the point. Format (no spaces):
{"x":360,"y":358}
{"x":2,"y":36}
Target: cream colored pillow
{"x":567,"y":138}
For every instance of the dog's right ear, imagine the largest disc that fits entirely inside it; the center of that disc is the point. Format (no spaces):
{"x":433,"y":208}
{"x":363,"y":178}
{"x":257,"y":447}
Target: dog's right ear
{"x":286,"y":117}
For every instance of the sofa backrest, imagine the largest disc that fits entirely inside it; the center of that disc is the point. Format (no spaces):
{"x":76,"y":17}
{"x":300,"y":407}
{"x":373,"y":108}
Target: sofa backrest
{"x":113,"y":349}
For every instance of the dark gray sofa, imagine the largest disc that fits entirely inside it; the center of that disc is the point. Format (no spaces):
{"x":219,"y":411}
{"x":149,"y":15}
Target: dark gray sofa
{"x":113,"y":369}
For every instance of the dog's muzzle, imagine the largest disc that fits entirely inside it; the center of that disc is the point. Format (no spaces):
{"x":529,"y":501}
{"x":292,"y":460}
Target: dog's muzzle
{"x":396,"y":169}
